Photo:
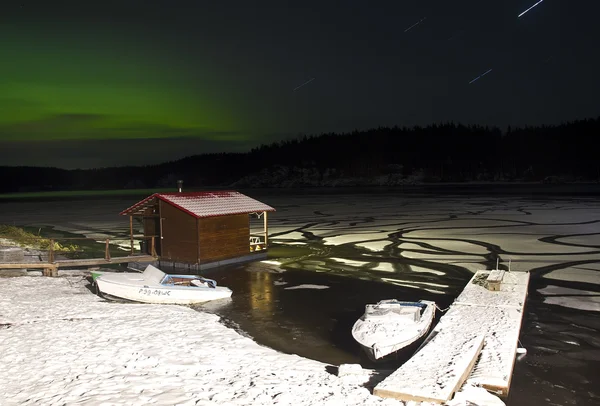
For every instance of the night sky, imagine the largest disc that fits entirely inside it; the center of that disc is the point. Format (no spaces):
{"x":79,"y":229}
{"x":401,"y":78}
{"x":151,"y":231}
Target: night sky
{"x":104,"y":83}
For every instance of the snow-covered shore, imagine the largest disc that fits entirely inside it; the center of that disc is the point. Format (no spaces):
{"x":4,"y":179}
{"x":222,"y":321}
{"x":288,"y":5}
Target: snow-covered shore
{"x":61,"y":344}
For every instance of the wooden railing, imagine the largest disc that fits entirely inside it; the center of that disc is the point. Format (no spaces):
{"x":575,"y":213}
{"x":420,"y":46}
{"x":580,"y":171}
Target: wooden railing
{"x":51,"y":264}
{"x":257,"y":243}
{"x":52,"y":252}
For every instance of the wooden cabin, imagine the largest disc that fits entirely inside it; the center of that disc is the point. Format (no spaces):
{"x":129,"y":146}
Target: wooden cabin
{"x":199,"y":230}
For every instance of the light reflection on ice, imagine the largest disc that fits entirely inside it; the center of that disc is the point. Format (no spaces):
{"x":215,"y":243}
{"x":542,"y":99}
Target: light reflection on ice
{"x":352,"y":237}
{"x":574,"y":298}
{"x":415,"y":268}
{"x":307,"y":286}
{"x":415,"y":282}
{"x":294,"y":235}
{"x":576,"y":275}
{"x":385,"y":267}
{"x":351,"y":262}
{"x":376,"y":246}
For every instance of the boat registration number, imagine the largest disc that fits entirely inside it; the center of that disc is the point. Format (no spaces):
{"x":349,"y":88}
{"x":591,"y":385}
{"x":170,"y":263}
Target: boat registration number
{"x":154,"y":292}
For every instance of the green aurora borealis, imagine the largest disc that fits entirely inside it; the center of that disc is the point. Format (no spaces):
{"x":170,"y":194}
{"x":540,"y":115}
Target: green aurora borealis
{"x":80,"y":83}
{"x":113,"y":82}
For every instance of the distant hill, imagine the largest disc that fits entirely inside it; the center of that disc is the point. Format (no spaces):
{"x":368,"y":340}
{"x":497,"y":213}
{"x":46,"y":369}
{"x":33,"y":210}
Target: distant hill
{"x":380,"y":156}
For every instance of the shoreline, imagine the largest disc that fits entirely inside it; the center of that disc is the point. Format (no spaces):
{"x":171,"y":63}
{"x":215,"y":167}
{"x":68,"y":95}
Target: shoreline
{"x":560,"y":188}
{"x":82,"y":349}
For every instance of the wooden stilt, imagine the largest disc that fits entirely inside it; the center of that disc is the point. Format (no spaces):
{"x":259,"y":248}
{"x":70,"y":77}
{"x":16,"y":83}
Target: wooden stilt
{"x":266,"y":229}
{"x":153,"y":249}
{"x":131,"y":232}
{"x":51,"y":252}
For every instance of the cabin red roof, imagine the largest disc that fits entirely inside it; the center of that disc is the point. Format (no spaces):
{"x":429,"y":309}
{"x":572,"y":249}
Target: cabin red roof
{"x":203,"y":204}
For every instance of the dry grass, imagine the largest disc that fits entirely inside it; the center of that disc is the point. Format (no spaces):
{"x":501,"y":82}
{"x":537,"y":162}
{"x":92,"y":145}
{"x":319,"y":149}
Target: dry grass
{"x":18,"y":236}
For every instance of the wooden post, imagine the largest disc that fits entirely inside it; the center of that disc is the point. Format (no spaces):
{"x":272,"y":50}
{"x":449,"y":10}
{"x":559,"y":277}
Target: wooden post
{"x":131,"y":232}
{"x":153,"y":248}
{"x":266,"y":230}
{"x":494,"y":279}
{"x":50,"y":271}
{"x":107,"y":251}
{"x":51,"y":252}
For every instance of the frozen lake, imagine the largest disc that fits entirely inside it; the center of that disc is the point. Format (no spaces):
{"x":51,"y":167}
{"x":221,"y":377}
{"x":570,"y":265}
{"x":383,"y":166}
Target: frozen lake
{"x":331,"y":254}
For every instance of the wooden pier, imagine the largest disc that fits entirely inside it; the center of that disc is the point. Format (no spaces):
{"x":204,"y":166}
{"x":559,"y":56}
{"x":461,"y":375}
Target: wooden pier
{"x":51,"y":268}
{"x":476,"y":340}
{"x":50,"y":264}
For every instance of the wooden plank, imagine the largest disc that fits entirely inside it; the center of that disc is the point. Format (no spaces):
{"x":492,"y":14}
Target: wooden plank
{"x":406,"y":385}
{"x":266,"y":228}
{"x":496,"y":275}
{"x":28,"y":265}
{"x":131,"y":233}
{"x":101,"y":261}
{"x":477,"y":311}
{"x":495,"y":369}
{"x":77,"y":262}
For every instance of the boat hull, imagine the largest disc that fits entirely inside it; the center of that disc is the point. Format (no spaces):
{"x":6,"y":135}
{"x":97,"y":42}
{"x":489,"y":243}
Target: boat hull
{"x":400,"y":335}
{"x":132,"y":286}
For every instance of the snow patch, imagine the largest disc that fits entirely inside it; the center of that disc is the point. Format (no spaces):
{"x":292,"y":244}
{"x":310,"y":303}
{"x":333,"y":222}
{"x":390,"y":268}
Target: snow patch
{"x":84,"y":350}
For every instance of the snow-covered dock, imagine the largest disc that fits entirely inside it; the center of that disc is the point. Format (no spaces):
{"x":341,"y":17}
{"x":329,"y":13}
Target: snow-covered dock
{"x":476,"y":340}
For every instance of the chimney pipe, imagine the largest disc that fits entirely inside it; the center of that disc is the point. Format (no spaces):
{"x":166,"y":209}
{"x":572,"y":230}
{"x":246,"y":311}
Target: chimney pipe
{"x":179,"y":185}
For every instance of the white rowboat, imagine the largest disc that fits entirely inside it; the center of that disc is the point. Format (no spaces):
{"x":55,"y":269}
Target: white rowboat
{"x":155,"y":286}
{"x":391,"y":325}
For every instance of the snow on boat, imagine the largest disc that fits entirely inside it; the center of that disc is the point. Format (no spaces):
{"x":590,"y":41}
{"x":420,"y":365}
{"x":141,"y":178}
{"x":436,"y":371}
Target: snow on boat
{"x":155,"y":286}
{"x":391,"y":325}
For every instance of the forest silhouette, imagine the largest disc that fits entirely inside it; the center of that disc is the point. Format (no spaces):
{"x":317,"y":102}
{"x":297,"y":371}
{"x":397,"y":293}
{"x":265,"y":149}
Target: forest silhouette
{"x":380,"y":156}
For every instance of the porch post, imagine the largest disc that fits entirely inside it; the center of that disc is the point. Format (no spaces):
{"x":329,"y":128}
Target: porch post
{"x":131,"y":232}
{"x":266,"y":230}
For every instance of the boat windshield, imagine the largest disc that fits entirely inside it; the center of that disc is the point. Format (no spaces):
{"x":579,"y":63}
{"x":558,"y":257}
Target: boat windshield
{"x":412,"y":313}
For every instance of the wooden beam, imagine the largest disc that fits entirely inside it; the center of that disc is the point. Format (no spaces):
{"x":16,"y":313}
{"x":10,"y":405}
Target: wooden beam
{"x":27,"y":265}
{"x":101,"y":261}
{"x":266,"y":230}
{"x":160,"y":222}
{"x":76,"y":262}
{"x":153,"y":249}
{"x":107,"y":250}
{"x":131,"y":232}
{"x":51,"y":252}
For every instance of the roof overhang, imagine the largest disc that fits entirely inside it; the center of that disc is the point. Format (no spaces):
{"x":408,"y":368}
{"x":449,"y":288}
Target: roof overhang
{"x":140,"y":208}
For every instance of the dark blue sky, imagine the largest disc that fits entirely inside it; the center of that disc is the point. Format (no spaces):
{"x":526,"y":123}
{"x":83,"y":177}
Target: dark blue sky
{"x":236,"y":64}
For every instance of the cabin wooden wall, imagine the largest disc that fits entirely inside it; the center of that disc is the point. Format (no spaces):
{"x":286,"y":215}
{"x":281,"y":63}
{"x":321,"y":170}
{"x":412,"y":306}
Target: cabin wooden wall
{"x":151,"y":223}
{"x":223,"y":237}
{"x":180,"y":238}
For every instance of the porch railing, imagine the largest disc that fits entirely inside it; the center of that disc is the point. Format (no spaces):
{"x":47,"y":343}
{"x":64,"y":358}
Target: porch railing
{"x":257,"y":243}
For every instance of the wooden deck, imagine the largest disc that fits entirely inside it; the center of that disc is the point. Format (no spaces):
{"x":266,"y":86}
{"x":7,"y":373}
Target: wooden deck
{"x":476,"y":340}
{"x":51,"y":268}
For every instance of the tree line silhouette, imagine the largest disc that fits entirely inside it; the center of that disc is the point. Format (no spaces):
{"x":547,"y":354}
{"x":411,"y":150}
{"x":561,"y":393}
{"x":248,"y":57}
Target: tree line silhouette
{"x":438,"y":153}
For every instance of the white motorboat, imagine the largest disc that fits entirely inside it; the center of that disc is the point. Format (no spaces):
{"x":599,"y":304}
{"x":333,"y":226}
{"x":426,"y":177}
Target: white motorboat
{"x":391,"y":325}
{"x":155,"y":286}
